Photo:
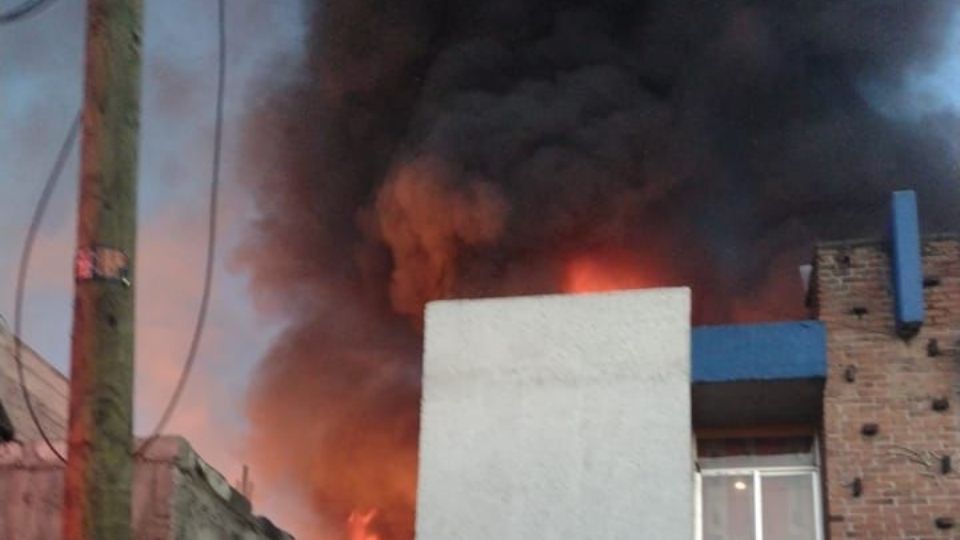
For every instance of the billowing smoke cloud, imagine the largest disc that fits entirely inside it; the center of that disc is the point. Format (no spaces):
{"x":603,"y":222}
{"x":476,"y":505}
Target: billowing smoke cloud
{"x":426,"y":213}
{"x":431,"y":149}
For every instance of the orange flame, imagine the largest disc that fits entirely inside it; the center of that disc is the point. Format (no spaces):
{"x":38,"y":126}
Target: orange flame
{"x":592,"y":273}
{"x":359,"y":523}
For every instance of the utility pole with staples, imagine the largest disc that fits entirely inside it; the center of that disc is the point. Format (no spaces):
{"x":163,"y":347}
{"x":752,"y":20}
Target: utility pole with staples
{"x":97,"y":504}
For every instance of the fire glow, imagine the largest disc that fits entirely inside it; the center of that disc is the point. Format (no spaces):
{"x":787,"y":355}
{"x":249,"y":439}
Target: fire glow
{"x":502,"y":149}
{"x":359,"y":524}
{"x":589,"y":274}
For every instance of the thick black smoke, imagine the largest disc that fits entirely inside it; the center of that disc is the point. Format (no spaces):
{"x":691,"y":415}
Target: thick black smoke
{"x":434,"y":149}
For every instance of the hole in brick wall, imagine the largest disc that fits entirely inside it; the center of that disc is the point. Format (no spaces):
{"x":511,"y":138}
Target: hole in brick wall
{"x":944,"y":523}
{"x":859,"y":311}
{"x":850,"y":374}
{"x":946,"y":465}
{"x":856,"y":487}
{"x":931,"y":281}
{"x":941,"y":404}
{"x":933,"y":348}
{"x":870,"y":429}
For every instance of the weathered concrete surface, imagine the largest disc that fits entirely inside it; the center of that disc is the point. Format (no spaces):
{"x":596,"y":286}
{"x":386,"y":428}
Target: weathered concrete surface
{"x":176,"y":497}
{"x":557,"y":417}
{"x":48,"y":390}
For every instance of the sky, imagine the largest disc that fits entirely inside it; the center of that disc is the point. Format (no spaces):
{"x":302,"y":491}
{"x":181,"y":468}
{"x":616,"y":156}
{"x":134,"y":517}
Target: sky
{"x":40,"y":90}
{"x":925,"y":90}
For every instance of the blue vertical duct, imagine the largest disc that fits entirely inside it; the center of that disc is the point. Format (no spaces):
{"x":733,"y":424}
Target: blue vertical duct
{"x":907,"y":269}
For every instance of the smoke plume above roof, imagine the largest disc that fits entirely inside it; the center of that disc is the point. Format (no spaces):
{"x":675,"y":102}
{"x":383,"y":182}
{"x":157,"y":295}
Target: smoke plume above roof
{"x":429,"y":149}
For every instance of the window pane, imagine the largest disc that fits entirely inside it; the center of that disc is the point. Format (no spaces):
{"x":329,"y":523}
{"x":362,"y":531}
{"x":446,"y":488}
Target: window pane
{"x":788,"y":512}
{"x":728,"y":508}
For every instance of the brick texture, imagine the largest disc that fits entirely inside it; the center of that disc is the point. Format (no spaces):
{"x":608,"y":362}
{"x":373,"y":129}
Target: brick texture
{"x":894,"y":384}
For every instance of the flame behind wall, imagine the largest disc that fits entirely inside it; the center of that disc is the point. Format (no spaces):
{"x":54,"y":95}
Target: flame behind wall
{"x":430,"y":149}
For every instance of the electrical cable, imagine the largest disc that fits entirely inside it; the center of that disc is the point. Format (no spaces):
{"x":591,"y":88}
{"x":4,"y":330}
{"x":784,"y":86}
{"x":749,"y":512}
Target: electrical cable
{"x":35,"y":222}
{"x":24,"y":10}
{"x":211,"y":237}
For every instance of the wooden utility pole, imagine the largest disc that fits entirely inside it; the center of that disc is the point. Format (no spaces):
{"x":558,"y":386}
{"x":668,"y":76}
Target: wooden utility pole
{"x":100,"y":464}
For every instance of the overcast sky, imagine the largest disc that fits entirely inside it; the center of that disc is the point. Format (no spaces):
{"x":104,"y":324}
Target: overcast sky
{"x":40,"y":89}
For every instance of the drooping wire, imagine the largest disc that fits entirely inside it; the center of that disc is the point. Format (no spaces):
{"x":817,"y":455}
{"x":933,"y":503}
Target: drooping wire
{"x":24,"y":10}
{"x":211,"y":237}
{"x":35,"y":222}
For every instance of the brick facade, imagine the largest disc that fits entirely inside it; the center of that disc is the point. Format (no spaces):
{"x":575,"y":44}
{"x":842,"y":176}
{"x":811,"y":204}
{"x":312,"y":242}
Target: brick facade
{"x":874,"y":377}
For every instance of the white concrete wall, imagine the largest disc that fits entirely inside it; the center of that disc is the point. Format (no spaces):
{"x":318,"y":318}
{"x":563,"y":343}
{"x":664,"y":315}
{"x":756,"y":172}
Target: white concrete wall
{"x":557,"y":417}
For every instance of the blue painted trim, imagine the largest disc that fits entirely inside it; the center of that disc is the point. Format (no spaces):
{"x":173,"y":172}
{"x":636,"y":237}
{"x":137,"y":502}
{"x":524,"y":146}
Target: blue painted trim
{"x":907,"y":268}
{"x":759,"y":352}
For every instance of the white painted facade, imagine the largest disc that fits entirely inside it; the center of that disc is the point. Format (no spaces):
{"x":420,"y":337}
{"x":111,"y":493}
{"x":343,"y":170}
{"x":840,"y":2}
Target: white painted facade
{"x":557,"y":417}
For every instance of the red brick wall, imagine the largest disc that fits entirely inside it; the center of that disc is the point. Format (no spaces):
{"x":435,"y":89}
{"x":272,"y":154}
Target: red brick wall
{"x":895,"y":383}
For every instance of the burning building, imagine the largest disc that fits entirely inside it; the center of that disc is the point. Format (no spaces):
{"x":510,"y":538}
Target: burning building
{"x":608,"y":416}
{"x":425,"y":150}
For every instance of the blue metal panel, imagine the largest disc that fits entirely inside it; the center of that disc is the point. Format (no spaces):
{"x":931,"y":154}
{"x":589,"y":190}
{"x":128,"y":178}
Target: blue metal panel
{"x":776,"y":351}
{"x":906,"y":264}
